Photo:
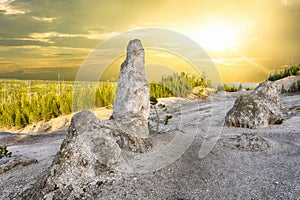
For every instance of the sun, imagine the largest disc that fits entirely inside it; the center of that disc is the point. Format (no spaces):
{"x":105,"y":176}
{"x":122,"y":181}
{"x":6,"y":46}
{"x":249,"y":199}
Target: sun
{"x":215,"y":37}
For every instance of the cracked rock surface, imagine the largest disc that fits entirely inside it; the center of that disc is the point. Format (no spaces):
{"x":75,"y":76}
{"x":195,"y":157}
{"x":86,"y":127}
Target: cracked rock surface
{"x":259,"y":109}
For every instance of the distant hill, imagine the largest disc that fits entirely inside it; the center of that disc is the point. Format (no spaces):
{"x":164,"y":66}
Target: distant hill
{"x":289,"y":71}
{"x":288,"y":82}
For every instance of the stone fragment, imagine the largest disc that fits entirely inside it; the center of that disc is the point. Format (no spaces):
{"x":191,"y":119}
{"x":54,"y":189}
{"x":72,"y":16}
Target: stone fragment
{"x":247,"y":142}
{"x":16,"y":162}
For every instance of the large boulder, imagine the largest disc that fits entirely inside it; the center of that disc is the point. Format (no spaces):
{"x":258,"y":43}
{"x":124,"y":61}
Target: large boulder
{"x":261,"y":108}
{"x":94,"y":147}
{"x":133,"y":91}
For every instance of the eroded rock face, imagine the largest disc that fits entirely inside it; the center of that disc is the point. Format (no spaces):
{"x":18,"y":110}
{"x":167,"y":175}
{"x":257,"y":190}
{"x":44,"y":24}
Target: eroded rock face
{"x":93,"y":147}
{"x":261,"y":108}
{"x":247,"y":142}
{"x":15,"y":162}
{"x":133,"y":91}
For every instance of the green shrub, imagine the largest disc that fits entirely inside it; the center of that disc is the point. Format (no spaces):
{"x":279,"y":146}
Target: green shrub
{"x":4,"y":152}
{"x":167,"y":119}
{"x":290,"y":71}
{"x":176,"y":85}
{"x":227,"y":88}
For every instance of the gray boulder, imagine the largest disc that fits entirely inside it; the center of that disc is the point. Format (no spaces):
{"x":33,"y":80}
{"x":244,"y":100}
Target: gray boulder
{"x":261,"y":108}
{"x":133,"y":91}
{"x":94,"y":147}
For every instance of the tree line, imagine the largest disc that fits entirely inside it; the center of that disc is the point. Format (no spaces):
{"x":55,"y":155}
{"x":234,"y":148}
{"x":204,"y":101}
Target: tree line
{"x":290,"y":71}
{"x":232,"y":88}
{"x":26,"y":102}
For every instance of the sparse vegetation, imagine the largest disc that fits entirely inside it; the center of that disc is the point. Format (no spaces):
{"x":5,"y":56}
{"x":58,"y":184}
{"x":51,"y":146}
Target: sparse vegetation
{"x":177,"y":85}
{"x":154,"y":120}
{"x":295,"y":87}
{"x":158,"y":90}
{"x":167,"y":119}
{"x":26,"y":102}
{"x":232,"y":88}
{"x":153,"y":103}
{"x":290,"y":71}
{"x":4,"y":152}
{"x":250,"y":88}
{"x":240,"y":87}
{"x":283,"y":90}
{"x":228,"y":88}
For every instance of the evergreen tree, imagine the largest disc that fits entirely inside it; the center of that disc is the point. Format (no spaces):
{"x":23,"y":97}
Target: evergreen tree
{"x":293,"y":88}
{"x":283,"y":90}
{"x":240,"y":87}
{"x":290,"y":71}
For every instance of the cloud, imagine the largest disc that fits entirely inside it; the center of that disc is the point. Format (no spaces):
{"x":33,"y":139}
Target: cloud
{"x":62,"y":54}
{"x":7,"y":8}
{"x":83,"y":17}
{"x":291,"y":2}
{"x":24,"y":47}
{"x":21,"y":42}
{"x":55,"y":37}
{"x":52,"y":35}
{"x":44,"y":19}
{"x":47,"y":36}
{"x":6,"y":63}
{"x":235,"y":61}
{"x":75,"y":42}
{"x":100,"y":36}
{"x":51,"y":39}
{"x":21,"y":26}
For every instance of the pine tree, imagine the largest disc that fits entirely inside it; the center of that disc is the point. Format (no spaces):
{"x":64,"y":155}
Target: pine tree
{"x":283,"y":90}
{"x":240,"y":87}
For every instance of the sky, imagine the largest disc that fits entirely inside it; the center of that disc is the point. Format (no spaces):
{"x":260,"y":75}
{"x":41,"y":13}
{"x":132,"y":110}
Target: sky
{"x":245,"y":40}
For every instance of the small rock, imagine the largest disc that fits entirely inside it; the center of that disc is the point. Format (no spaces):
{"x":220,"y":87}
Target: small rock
{"x":248,"y":142}
{"x":16,"y":162}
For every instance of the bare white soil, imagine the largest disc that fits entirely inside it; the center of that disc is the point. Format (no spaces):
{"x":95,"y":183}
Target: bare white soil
{"x":287,"y":82}
{"x":194,"y":157}
{"x":57,"y":124}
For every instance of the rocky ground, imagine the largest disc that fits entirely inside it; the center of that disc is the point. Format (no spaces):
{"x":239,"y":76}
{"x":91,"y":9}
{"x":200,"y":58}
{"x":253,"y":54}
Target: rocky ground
{"x":194,"y":157}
